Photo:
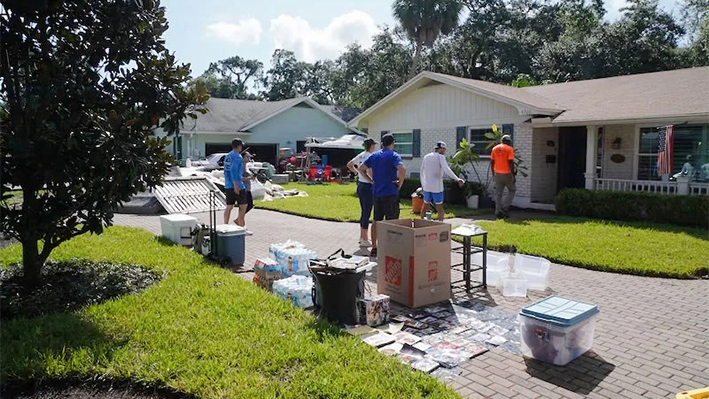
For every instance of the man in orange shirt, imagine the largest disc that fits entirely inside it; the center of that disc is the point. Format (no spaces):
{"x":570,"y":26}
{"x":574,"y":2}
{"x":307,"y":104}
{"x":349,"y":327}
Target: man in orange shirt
{"x":502,"y":162}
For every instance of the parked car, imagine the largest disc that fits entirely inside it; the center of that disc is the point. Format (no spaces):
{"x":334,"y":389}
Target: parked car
{"x":212,"y":162}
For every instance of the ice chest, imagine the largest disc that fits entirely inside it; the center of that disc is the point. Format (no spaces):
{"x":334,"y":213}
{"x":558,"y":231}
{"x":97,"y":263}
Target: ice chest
{"x":414,"y":261}
{"x":231,"y":243}
{"x":178,"y":228}
{"x":557,"y":330}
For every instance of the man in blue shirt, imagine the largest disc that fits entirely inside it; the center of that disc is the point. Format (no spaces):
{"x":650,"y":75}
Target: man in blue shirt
{"x":234,"y":183}
{"x":387,"y":172}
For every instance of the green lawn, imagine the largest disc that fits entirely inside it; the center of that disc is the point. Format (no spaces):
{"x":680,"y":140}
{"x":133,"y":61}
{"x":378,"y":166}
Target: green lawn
{"x":339,"y":202}
{"x":635,"y":248}
{"x":202,"y":330}
{"x":16,"y":197}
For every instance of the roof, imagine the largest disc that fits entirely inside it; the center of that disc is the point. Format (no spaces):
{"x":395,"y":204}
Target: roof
{"x":230,"y":116}
{"x":678,"y":93}
{"x":682,"y":92}
{"x":344,"y":113}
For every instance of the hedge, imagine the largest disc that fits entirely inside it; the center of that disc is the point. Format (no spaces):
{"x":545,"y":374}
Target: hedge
{"x":682,"y":210}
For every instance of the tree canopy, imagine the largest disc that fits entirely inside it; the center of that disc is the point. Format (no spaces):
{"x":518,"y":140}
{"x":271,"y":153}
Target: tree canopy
{"x":84,"y":85}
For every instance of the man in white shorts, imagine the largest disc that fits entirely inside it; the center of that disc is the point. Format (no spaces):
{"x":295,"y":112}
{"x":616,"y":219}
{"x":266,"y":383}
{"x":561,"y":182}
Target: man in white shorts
{"x":433,"y":166}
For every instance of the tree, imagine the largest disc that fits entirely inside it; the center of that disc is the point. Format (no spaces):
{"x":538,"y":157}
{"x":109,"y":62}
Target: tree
{"x":695,"y":18}
{"x":84,"y":85}
{"x":230,"y":77}
{"x":424,"y":21}
{"x":285,"y":79}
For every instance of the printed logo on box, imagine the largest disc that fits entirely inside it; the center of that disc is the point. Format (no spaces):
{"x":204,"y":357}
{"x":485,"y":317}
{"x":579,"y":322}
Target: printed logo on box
{"x":432,"y":236}
{"x":393,"y":270}
{"x":432,"y":271}
{"x":444,"y":236}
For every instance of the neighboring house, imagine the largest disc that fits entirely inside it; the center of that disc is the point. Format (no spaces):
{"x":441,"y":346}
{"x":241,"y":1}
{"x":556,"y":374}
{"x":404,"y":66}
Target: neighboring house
{"x":597,"y":134}
{"x":265,"y":127}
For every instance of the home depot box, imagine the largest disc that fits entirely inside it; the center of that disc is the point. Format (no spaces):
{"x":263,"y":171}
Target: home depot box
{"x":414,"y":261}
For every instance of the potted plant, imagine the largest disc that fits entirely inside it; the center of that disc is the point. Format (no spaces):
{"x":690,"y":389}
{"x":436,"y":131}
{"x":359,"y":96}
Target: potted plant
{"x":473,"y":191}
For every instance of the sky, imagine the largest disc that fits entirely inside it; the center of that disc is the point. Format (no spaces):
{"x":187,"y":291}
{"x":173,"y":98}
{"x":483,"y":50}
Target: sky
{"x":210,"y":30}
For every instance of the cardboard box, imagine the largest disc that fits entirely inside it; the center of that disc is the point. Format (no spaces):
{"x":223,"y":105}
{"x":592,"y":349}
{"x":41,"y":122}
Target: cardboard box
{"x":414,"y":261}
{"x":266,"y":271}
{"x":373,"y":311}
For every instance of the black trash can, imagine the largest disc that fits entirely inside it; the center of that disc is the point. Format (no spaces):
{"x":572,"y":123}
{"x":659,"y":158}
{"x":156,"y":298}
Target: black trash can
{"x":337,"y":293}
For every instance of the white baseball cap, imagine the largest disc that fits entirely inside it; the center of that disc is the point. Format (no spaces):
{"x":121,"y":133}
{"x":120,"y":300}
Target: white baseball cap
{"x":440,"y":144}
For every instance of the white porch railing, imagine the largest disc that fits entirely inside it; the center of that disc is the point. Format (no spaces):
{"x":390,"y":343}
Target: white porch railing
{"x":649,"y":186}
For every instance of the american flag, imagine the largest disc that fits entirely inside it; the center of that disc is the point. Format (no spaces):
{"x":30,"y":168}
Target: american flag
{"x":664,"y":152}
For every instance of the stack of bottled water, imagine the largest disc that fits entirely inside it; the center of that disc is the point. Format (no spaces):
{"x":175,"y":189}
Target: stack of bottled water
{"x":292,"y":257}
{"x":296,"y":289}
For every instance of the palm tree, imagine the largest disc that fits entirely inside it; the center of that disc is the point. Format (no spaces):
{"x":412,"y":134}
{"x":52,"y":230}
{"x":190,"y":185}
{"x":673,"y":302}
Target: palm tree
{"x":425,"y":20}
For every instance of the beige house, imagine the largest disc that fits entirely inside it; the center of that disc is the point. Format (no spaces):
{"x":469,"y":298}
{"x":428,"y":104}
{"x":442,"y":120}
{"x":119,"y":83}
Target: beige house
{"x":600,"y":134}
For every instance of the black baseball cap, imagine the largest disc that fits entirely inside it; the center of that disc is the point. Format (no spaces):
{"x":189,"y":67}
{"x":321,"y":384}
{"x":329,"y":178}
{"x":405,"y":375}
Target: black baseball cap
{"x":369,"y":142}
{"x":237,"y":142}
{"x":387,"y":140}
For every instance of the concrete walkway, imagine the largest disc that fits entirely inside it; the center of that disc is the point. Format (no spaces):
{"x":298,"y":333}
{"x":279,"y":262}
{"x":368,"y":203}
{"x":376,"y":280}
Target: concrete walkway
{"x":651,"y":339}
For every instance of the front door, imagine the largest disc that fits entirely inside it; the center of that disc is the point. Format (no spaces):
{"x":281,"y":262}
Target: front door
{"x":572,"y":157}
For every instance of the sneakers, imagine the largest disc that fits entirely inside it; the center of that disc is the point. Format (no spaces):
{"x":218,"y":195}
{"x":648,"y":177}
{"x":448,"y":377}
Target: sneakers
{"x":364,"y":243}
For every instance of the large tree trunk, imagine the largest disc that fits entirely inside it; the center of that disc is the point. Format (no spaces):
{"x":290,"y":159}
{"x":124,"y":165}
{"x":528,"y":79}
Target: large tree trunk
{"x":417,"y":58}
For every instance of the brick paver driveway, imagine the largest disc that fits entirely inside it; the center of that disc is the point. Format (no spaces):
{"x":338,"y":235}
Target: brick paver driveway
{"x":651,"y":340}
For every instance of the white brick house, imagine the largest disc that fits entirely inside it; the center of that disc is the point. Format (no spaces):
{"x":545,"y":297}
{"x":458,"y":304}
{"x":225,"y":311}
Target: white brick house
{"x":597,"y":134}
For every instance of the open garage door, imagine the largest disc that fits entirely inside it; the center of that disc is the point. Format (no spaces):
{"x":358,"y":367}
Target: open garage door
{"x":213,"y":148}
{"x":264,"y":152}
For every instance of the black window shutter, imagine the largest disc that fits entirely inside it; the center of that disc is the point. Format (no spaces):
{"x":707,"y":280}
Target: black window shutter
{"x":509,"y":129}
{"x":459,"y":135}
{"x":383,"y":133}
{"x":416,"y":151}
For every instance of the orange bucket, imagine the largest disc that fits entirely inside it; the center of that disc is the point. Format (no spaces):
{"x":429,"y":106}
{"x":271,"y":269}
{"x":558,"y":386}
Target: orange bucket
{"x":416,"y":204}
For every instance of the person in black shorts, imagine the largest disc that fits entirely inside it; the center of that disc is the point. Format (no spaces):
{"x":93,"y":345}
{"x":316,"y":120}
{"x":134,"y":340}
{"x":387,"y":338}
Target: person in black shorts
{"x":386,"y":169}
{"x":234,"y":186}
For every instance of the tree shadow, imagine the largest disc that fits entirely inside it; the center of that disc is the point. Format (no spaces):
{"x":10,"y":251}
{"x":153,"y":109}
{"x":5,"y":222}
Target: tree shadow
{"x":82,"y":389}
{"x":581,"y":376}
{"x":29,"y":345}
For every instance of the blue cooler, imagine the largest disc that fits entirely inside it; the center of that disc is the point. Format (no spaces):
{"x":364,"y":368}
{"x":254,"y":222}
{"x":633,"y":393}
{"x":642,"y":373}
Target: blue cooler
{"x":557,"y":330}
{"x":231,"y":243}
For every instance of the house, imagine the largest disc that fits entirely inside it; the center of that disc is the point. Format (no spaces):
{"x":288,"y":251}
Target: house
{"x":265,"y":127}
{"x":600,"y":134}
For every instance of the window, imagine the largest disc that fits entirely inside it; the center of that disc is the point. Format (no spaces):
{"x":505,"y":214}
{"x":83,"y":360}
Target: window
{"x":477,"y":137}
{"x":690,"y":146}
{"x":404,"y":143}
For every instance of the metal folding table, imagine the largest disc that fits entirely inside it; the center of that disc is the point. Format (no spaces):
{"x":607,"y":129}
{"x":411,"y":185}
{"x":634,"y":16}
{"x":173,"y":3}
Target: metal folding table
{"x":468,"y":250}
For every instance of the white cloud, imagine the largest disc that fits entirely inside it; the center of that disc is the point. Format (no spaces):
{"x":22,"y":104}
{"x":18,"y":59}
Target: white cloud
{"x":311,"y":44}
{"x":244,"y":31}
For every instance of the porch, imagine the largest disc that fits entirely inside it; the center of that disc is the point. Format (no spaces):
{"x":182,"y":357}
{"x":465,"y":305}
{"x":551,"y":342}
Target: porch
{"x":620,"y":157}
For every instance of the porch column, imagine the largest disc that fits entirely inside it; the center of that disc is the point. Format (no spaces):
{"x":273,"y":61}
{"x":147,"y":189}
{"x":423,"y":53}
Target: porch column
{"x":591,"y":154}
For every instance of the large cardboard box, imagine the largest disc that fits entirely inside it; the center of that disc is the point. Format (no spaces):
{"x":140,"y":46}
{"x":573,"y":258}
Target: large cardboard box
{"x":414,"y":261}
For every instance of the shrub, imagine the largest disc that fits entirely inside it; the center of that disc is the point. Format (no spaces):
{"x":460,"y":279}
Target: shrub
{"x":676,"y":209}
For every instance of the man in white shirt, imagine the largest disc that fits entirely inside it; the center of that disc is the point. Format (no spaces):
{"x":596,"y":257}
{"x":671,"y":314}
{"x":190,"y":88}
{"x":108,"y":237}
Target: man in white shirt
{"x":433,"y":166}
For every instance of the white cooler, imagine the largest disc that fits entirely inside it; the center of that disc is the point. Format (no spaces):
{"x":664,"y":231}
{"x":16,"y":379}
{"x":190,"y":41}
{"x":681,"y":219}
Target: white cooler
{"x":557,"y":330}
{"x":178,"y":228}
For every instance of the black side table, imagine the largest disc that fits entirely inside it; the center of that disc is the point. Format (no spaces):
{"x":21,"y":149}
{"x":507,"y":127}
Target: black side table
{"x":467,"y":267}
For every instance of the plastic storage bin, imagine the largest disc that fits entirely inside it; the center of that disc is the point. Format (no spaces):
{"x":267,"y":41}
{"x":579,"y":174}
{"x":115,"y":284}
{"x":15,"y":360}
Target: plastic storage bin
{"x":231,"y":243}
{"x":178,"y":228}
{"x":514,"y":284}
{"x":535,"y":269}
{"x":702,"y":393}
{"x":497,"y":266}
{"x":557,"y":330}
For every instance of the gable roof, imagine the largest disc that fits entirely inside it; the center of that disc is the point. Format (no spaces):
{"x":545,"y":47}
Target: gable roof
{"x":678,"y":93}
{"x":344,"y":113}
{"x":231,"y":116}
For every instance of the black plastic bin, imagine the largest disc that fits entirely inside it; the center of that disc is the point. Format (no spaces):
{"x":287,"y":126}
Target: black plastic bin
{"x":337,"y":293}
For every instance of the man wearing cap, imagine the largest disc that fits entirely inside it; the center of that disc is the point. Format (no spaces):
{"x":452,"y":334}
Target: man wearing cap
{"x":234,"y":183}
{"x":433,"y":166}
{"x":364,"y":190}
{"x":387,"y":172}
{"x":502,"y":163}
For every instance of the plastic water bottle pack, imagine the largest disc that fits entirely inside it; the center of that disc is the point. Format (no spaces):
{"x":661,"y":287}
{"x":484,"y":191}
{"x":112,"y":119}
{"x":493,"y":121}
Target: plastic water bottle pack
{"x":296,"y":289}
{"x":294,"y":261}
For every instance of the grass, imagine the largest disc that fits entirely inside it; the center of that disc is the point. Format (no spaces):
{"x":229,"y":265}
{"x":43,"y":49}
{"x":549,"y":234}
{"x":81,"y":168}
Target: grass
{"x":634,"y":248}
{"x":339,"y":202}
{"x":15,"y":197}
{"x":202,"y":330}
